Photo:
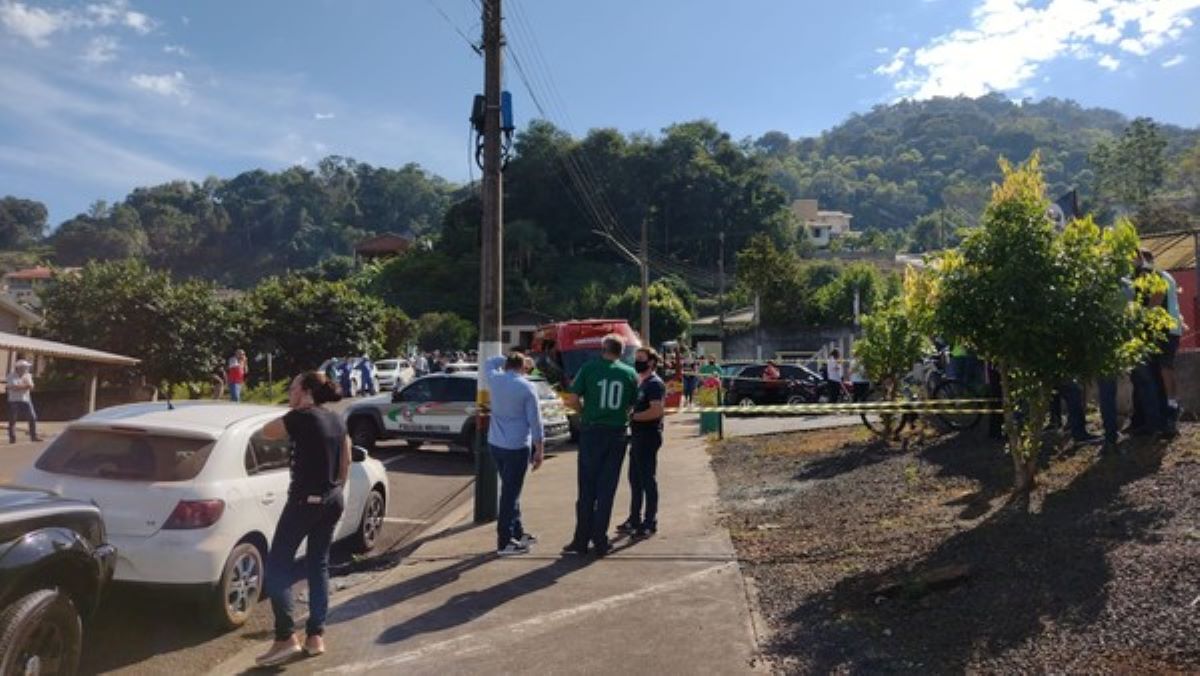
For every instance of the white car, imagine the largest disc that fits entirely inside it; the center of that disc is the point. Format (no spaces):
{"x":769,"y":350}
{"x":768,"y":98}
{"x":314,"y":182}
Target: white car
{"x":190,"y":494}
{"x":393,"y":374}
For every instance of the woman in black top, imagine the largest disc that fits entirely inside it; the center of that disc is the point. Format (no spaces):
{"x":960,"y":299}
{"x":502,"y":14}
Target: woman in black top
{"x":320,"y":460}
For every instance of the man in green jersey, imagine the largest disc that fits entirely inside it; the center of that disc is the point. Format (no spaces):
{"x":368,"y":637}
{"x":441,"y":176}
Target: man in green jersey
{"x":608,"y":388}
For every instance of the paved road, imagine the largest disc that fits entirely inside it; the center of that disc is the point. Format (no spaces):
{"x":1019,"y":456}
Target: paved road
{"x":747,"y":426}
{"x":140,"y":631}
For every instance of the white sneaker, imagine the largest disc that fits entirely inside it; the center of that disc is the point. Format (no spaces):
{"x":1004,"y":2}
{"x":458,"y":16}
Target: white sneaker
{"x":528,"y":539}
{"x":513,"y":549}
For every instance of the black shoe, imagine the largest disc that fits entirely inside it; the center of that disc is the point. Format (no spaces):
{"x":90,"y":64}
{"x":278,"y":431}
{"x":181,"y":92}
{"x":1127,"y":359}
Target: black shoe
{"x":601,"y":552}
{"x":575,"y":549}
{"x":628,"y":527}
{"x":642,"y":533}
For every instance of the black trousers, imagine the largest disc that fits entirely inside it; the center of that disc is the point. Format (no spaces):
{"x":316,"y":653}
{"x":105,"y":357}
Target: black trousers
{"x":643,"y":485}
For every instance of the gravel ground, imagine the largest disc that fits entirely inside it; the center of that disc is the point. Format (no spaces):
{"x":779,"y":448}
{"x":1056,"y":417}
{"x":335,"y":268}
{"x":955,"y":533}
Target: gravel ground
{"x":868,"y":559}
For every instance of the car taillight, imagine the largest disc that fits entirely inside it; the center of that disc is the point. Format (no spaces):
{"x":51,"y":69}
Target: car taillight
{"x":192,"y":514}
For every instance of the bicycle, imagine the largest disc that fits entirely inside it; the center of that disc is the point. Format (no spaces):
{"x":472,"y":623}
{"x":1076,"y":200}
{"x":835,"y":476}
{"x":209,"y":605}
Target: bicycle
{"x":890,"y":424}
{"x":953,"y":389}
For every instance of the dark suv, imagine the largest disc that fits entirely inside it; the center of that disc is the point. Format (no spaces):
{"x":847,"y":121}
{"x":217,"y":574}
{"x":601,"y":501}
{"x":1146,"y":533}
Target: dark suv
{"x":54,"y":566}
{"x":796,"y":385}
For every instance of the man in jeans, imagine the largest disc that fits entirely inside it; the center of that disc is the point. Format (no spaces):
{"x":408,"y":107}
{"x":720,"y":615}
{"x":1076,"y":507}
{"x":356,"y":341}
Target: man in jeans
{"x":608,"y":388}
{"x":646,"y":436}
{"x":515,"y":429}
{"x":20,"y":400}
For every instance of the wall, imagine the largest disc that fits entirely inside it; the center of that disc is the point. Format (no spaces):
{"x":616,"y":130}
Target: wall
{"x":743,"y":345}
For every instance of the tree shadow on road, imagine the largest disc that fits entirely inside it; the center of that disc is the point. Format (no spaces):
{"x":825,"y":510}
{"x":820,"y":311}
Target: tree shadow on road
{"x":1019,"y":572}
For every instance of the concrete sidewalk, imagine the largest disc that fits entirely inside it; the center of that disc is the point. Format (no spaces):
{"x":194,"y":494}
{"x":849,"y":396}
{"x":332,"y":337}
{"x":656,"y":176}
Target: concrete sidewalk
{"x":675,"y":603}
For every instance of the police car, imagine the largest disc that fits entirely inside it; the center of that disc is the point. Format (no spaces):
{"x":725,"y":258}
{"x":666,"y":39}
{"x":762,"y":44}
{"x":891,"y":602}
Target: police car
{"x":440,"y":408}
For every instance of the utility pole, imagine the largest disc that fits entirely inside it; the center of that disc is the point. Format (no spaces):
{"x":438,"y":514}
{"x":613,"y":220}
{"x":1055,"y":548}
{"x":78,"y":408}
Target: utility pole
{"x":721,"y":294}
{"x":490,"y":268}
{"x":645,"y":265}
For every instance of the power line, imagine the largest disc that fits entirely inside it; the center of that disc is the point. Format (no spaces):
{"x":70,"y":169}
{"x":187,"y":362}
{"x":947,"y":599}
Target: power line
{"x":579,"y":168}
{"x":450,"y":22}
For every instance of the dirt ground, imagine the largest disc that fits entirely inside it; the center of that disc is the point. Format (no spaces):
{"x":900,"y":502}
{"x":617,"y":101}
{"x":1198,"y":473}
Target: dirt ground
{"x":868,"y":559}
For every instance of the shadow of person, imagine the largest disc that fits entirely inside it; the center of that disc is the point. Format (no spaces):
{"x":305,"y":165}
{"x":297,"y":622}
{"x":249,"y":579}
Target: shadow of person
{"x":404,"y":590}
{"x":471,"y":605}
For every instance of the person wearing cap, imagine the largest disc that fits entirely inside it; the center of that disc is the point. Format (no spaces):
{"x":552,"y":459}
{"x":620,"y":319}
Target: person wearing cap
{"x":20,"y":400}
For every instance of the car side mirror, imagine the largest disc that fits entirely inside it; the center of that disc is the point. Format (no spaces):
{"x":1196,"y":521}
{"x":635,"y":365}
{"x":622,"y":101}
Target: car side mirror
{"x":358,"y":454}
{"x":395,"y":396}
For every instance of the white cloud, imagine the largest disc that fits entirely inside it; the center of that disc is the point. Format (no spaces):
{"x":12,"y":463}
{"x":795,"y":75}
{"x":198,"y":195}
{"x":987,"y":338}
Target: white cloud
{"x":1009,"y":40}
{"x":1174,"y":61}
{"x":896,"y":64}
{"x":172,"y":84}
{"x":117,"y":12}
{"x":101,"y":49}
{"x":323,"y":116}
{"x":33,"y":23}
{"x":177,"y":50}
{"x":37,"y":24}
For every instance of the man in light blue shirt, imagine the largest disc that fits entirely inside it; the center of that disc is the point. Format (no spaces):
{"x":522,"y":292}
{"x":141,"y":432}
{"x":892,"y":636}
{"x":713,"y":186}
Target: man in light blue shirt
{"x":514,"y":433}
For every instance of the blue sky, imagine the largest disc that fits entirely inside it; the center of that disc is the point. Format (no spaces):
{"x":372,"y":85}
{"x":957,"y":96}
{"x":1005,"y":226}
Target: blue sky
{"x":99,"y":97}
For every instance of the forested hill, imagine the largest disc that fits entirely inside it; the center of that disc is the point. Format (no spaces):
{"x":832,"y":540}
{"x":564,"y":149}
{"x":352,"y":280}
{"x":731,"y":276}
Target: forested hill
{"x":894,"y":168}
{"x":897,"y":162}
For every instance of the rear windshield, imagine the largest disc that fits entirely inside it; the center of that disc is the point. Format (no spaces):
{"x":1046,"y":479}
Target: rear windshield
{"x":131,"y":456}
{"x":385,"y":365}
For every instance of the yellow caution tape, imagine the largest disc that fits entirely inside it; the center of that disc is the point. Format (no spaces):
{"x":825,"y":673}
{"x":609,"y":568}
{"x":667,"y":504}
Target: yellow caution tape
{"x":934,"y":406}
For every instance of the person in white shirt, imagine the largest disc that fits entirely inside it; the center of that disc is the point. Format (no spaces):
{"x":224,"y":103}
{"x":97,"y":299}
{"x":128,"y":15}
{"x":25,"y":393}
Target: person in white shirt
{"x":20,"y":400}
{"x":834,"y":375}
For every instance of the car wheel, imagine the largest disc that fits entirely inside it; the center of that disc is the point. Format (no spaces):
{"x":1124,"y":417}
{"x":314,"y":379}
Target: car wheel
{"x":797,"y":399}
{"x":240,"y":586}
{"x":746,"y":402}
{"x":40,"y":633}
{"x":363,"y":432}
{"x":372,"y":522}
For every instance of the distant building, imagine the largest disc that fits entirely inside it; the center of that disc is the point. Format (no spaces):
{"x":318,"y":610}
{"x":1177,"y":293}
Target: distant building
{"x":382,"y":246}
{"x":23,"y":285}
{"x":822,"y":227}
{"x":518,"y":328}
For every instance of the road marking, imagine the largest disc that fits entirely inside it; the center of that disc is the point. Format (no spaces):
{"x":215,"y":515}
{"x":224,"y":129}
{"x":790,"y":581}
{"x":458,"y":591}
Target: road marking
{"x":394,"y":459}
{"x":482,"y":641}
{"x":400,"y":519}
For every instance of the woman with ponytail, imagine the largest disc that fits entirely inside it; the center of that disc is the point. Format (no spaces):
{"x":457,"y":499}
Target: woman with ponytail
{"x":320,"y":461}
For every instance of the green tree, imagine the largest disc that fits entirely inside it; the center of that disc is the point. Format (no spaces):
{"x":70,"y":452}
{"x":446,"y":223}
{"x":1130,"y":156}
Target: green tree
{"x":178,"y":331}
{"x":444,"y":331}
{"x":22,"y":222}
{"x":1131,"y":168}
{"x":669,"y":318}
{"x":399,"y":332}
{"x":304,"y":322}
{"x":1044,"y":307}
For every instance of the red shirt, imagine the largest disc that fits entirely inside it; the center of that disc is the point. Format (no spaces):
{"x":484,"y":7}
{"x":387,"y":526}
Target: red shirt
{"x":237,"y":374}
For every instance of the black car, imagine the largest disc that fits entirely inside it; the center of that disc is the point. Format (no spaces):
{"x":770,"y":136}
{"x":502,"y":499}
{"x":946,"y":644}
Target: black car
{"x":54,"y":567}
{"x":796,"y":385}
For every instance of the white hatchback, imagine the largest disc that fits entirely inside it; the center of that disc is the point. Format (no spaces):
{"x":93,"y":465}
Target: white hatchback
{"x":190,"y":495}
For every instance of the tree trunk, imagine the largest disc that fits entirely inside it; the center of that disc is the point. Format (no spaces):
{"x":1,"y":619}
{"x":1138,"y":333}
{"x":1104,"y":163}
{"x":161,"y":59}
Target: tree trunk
{"x":1024,"y":456}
